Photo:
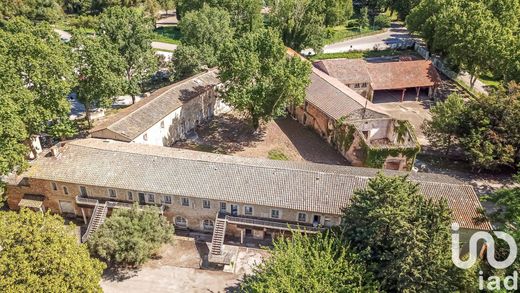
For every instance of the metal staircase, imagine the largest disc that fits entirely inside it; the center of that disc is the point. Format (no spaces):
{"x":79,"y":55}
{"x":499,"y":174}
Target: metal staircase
{"x":219,"y":232}
{"x":98,"y":217}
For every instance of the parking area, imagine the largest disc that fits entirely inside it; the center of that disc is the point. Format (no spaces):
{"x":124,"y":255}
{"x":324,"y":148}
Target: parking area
{"x":176,"y":268}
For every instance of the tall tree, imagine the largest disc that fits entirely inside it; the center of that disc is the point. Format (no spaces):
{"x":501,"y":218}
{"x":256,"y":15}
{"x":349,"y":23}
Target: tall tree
{"x":131,"y":31}
{"x":311,"y":264}
{"x":299,"y":22}
{"x":37,"y":10}
{"x":261,"y":79}
{"x":167,"y":5}
{"x":470,"y":36}
{"x":190,"y":60}
{"x":40,"y":253}
{"x":404,"y":238}
{"x":337,"y":12}
{"x":130,"y":236}
{"x":100,"y":71}
{"x":444,"y":127}
{"x":245,"y":14}
{"x":208,"y":26}
{"x":36,"y":77}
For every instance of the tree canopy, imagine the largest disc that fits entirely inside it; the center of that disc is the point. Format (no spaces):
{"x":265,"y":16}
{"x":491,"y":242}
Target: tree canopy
{"x":403,"y":237}
{"x":100,"y":71}
{"x":261,"y":79}
{"x":300,"y":23}
{"x":37,"y":75}
{"x":310,"y":263}
{"x":37,"y":10}
{"x":40,"y":253}
{"x":485,"y":128}
{"x":131,"y":32}
{"x":130,"y":236}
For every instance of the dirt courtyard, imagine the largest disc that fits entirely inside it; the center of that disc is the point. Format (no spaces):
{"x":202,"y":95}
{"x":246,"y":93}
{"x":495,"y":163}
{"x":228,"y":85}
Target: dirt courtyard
{"x":177,"y":269}
{"x":282,"y":139}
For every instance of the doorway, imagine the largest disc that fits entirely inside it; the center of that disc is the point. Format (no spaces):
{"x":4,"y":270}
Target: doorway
{"x":141,"y":198}
{"x":316,"y":220}
{"x":234,"y":209}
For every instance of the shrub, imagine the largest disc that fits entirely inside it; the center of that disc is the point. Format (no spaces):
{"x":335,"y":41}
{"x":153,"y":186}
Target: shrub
{"x":382,"y":21}
{"x":130,"y":236}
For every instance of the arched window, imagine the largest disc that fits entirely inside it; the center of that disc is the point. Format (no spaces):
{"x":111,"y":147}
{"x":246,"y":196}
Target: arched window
{"x":180,"y":221}
{"x":207,"y":225}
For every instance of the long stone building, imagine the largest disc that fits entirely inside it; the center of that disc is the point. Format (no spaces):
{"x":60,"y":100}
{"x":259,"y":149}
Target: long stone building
{"x":227,"y":196}
{"x":168,"y":114}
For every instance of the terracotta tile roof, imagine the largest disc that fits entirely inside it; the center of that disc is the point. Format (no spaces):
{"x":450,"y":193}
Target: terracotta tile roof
{"x":298,"y":186}
{"x":347,"y":71}
{"x":136,"y":119}
{"x":382,"y":75}
{"x":403,"y":74}
{"x":336,"y":99}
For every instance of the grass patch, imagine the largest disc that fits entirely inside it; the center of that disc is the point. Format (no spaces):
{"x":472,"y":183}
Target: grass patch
{"x":489,"y":80}
{"x":341,"y":33}
{"x":363,"y":54}
{"x":277,"y":154}
{"x":167,"y":34}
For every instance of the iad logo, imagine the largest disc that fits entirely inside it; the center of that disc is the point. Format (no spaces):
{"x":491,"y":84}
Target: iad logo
{"x":493,"y":282}
{"x":473,"y":249}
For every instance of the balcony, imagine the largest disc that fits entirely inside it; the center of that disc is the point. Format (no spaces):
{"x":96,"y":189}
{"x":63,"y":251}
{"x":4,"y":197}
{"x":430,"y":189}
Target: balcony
{"x":91,"y":202}
{"x":271,"y":224}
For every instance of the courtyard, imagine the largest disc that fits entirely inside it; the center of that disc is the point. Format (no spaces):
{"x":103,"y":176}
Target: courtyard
{"x":177,"y":268}
{"x":281,"y":139}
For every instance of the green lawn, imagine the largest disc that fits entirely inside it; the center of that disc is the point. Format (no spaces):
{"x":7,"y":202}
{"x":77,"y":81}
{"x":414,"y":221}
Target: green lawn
{"x":276,"y":154}
{"x":489,"y":80}
{"x":168,"y":34}
{"x":363,"y":54}
{"x":341,"y":33}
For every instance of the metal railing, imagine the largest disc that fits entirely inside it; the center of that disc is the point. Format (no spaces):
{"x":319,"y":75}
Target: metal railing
{"x":114,"y":204}
{"x":272,"y":224}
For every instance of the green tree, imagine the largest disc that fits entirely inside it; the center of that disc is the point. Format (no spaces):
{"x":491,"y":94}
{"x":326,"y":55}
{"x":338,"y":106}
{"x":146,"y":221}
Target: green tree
{"x":37,"y":75}
{"x":363,"y":18}
{"x":403,"y":237}
{"x":40,"y":253}
{"x":208,"y":26}
{"x":302,"y":263}
{"x":245,"y":14}
{"x":166,"y":5}
{"x":130,"y":236}
{"x":444,"y":127}
{"x":260,"y":78}
{"x":100,"y":71}
{"x":131,"y":31}
{"x":337,"y":12}
{"x":37,"y":10}
{"x":189,"y":60}
{"x":300,"y":23}
{"x":469,"y":35}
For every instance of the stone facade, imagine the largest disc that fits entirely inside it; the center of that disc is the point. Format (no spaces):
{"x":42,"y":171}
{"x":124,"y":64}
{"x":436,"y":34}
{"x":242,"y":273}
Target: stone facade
{"x":195,"y":213}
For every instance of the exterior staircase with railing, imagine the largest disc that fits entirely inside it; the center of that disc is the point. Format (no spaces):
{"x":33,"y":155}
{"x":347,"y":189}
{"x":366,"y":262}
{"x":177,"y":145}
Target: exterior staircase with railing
{"x":99,"y":215}
{"x":217,"y":242}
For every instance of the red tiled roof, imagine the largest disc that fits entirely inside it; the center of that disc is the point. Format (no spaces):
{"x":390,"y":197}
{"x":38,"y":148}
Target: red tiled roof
{"x":403,"y":74}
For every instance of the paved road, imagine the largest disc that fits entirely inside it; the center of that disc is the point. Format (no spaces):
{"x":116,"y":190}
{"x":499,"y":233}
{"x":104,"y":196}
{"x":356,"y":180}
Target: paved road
{"x":396,"y":34}
{"x":164,"y":46}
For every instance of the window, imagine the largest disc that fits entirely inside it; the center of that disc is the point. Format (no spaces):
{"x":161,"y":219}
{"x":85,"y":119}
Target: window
{"x":364,"y":84}
{"x":185,"y":202}
{"x":356,"y":85}
{"x":223,"y":207}
{"x":151,"y":197}
{"x":83,"y":191}
{"x":275,"y":214}
{"x":112,"y":193}
{"x":162,"y":124}
{"x":248,"y":210}
{"x":145,"y":136}
{"x":207,"y":225}
{"x":54,"y":186}
{"x":327,"y":222}
{"x":180,"y":221}
{"x":65,"y":190}
{"x":167,"y":199}
{"x":302,"y":217}
{"x":130,"y":195}
{"x":206,"y":204}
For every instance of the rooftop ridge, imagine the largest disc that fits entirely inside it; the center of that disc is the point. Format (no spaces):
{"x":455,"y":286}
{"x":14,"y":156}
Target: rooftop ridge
{"x":254,"y":162}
